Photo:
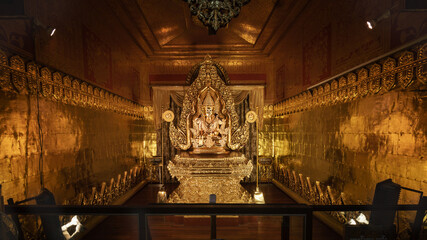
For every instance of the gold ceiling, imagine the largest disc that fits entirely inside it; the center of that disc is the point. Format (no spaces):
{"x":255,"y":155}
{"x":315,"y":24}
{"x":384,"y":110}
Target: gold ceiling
{"x":165,"y":28}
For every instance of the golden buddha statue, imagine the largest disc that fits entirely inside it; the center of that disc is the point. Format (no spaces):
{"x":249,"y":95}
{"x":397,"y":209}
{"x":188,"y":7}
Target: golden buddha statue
{"x":209,"y":129}
{"x":209,"y":122}
{"x":208,"y":135}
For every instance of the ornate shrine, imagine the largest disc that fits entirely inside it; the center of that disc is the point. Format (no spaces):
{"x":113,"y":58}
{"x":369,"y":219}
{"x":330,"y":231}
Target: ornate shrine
{"x":208,"y":137}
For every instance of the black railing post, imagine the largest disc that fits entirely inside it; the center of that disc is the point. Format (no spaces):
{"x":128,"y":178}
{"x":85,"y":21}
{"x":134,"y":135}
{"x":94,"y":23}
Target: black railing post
{"x":416,"y":229}
{"x":285,"y":228}
{"x":213,"y":226}
{"x":309,"y":224}
{"x":15,"y":218}
{"x":143,"y":225}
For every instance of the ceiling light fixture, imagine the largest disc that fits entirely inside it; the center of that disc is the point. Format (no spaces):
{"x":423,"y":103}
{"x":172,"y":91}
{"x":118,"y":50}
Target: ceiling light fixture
{"x":215,"y":13}
{"x":49,"y":30}
{"x":372,"y":23}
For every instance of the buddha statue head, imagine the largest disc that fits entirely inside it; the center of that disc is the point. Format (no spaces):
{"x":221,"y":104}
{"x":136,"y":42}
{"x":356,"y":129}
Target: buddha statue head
{"x":208,"y":105}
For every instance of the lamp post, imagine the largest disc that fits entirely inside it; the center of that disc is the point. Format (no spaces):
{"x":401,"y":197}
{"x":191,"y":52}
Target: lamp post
{"x":163,"y":162}
{"x":273,"y":154}
{"x":167,"y":116}
{"x":161,"y":195}
{"x":273,"y":122}
{"x":258,"y":195}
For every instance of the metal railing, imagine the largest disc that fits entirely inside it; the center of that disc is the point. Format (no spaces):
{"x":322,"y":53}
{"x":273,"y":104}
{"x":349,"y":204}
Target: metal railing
{"x":285,"y":210}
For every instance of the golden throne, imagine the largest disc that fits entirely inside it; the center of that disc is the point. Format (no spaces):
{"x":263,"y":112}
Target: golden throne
{"x":209,"y":136}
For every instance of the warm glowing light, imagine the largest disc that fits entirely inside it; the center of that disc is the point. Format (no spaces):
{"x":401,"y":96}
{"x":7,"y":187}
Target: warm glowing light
{"x":370,"y":24}
{"x":248,"y":33}
{"x":259,"y":197}
{"x":74,"y":222}
{"x":352,"y":222}
{"x":52,"y":32}
{"x":362,"y":219}
{"x":167,"y":34}
{"x":162,"y":196}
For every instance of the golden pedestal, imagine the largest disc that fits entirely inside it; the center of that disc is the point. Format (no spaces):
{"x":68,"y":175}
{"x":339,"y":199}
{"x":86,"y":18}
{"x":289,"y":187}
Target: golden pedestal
{"x":202,"y":175}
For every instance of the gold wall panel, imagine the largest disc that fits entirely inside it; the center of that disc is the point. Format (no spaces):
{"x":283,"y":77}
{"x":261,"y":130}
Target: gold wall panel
{"x":373,"y":131}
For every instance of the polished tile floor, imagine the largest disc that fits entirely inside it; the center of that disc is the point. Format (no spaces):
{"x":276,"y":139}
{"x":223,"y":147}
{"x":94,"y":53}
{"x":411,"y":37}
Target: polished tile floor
{"x":191,"y":227}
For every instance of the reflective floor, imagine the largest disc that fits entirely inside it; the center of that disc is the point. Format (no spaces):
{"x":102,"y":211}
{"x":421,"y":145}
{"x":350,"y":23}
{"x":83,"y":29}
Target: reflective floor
{"x":198,"y":227}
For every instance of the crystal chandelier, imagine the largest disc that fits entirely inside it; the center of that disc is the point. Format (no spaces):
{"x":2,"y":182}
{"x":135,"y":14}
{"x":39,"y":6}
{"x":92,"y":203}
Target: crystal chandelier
{"x":215,"y":13}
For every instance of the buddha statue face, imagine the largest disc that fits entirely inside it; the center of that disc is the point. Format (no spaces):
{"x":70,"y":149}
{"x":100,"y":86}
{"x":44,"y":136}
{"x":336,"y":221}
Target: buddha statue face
{"x":208,"y":105}
{"x":208,"y":111}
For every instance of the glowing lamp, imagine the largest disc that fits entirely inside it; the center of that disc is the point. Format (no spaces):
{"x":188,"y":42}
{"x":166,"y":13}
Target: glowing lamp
{"x":259,"y":197}
{"x":51,"y":31}
{"x":74,"y":222}
{"x":352,"y":222}
{"x":362,"y":219}
{"x":48,"y":29}
{"x":370,"y":24}
{"x":162,"y":196}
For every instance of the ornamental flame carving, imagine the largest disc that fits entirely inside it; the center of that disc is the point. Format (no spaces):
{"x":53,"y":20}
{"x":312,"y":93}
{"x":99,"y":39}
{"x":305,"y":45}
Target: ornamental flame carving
{"x":208,"y":122}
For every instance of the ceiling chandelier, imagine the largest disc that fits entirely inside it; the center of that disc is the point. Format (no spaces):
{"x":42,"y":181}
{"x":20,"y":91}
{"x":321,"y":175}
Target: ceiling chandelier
{"x":215,"y":13}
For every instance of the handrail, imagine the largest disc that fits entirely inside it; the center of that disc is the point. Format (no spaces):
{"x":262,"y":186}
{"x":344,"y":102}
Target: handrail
{"x":198,"y":209}
{"x":284,"y":210}
{"x":163,"y":209}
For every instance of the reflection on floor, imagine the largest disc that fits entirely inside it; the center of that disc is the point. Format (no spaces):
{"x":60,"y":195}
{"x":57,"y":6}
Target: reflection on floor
{"x":180,"y":227}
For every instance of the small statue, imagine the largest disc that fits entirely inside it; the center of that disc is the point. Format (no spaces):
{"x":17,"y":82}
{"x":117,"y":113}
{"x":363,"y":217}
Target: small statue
{"x":209,"y":127}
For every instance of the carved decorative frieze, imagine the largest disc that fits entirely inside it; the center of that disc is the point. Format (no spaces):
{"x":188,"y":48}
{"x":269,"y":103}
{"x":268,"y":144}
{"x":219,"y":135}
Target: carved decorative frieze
{"x":362,"y":87}
{"x":18,"y":76}
{"x":400,"y":71}
{"x":352,"y":86}
{"x":329,"y":97}
{"x":4,"y":73}
{"x":46,"y":82}
{"x":334,"y":95}
{"x":374,"y":85}
{"x":58,"y":89}
{"x":33,"y":71}
{"x":57,"y":86}
{"x":320,"y":99}
{"x":68,"y":93}
{"x":422,"y":67}
{"x":342,"y":89}
{"x":405,"y":76}
{"x":389,"y":81}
